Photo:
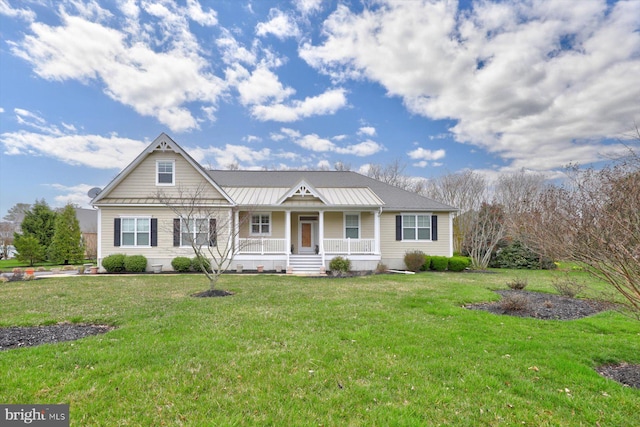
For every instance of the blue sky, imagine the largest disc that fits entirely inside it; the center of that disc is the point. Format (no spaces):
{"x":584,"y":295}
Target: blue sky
{"x":440,"y":86}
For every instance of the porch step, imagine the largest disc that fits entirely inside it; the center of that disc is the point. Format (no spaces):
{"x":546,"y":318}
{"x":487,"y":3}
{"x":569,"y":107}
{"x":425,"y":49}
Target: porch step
{"x":305,"y":264}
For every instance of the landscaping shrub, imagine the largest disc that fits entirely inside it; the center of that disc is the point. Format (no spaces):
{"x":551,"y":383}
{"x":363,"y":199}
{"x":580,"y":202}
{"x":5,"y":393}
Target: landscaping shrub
{"x":427,"y":263}
{"x":114,"y":263}
{"x":514,"y":302}
{"x":135,"y":263}
{"x":519,"y":256}
{"x":340,"y":264}
{"x":518,"y":283}
{"x":381,"y":268}
{"x":414,"y":260}
{"x":199,"y":264}
{"x":567,"y":286}
{"x":181,"y":264}
{"x":458,"y":263}
{"x":439,"y":263}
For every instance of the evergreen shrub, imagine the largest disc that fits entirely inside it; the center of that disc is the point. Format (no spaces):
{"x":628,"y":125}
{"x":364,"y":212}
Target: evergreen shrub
{"x":135,"y":263}
{"x":114,"y":263}
{"x":181,"y":264}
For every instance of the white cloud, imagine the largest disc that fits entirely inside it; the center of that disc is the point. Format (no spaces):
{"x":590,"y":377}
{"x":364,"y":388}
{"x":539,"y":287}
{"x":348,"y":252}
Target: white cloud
{"x":7,"y":10}
{"x":76,"y":194}
{"x":157,"y":73}
{"x":96,"y":151}
{"x":307,"y":7}
{"x":316,"y":143}
{"x":252,"y":138}
{"x":197,"y":14}
{"x":280,"y":24}
{"x":326,"y":103}
{"x":424,"y":154}
{"x":524,"y":80}
{"x":232,"y":154}
{"x":367,"y":130}
{"x":262,"y":86}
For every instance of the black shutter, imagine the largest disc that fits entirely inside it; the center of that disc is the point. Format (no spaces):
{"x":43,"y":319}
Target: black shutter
{"x":116,"y":232}
{"x":398,"y":227}
{"x":154,"y":231}
{"x":434,"y":227}
{"x":213,"y":232}
{"x":176,"y":232}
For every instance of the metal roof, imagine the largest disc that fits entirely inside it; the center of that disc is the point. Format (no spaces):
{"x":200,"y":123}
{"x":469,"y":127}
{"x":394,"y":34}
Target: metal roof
{"x":270,"y":196}
{"x":339,"y":186}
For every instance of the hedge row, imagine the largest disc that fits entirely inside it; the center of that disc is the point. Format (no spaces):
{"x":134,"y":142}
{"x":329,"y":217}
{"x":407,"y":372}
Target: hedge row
{"x":183,"y":264}
{"x":120,"y":263}
{"x":418,"y":261}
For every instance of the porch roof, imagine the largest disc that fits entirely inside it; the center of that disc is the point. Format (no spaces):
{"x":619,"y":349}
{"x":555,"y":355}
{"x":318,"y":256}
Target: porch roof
{"x":271,"y":196}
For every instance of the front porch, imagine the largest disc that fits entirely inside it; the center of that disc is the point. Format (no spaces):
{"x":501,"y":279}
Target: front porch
{"x":286,"y":237}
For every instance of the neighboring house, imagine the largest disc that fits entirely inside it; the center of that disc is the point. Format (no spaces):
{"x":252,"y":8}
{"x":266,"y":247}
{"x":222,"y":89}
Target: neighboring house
{"x":295,"y":219}
{"x":88,"y":220}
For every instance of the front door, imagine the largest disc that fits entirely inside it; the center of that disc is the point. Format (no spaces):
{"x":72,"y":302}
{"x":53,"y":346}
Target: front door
{"x":307,"y":238}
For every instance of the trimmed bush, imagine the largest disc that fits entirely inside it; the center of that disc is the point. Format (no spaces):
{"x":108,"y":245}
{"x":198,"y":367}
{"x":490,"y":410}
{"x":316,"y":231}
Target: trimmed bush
{"x":340,"y":264}
{"x":414,"y":260}
{"x":427,"y":263}
{"x":458,"y":263}
{"x":519,"y":256}
{"x":518,"y":283}
{"x":199,"y":264}
{"x":181,"y":264}
{"x":114,"y":263}
{"x":135,"y":263}
{"x":439,"y":263}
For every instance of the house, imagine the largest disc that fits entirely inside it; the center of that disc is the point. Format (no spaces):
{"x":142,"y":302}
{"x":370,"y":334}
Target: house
{"x":295,"y":220}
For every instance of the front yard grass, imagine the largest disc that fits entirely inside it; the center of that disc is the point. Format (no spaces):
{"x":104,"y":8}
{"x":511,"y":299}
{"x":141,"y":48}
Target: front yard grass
{"x":379,"y":350}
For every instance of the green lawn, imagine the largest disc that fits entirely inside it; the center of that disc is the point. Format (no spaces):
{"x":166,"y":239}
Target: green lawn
{"x":287,"y":351}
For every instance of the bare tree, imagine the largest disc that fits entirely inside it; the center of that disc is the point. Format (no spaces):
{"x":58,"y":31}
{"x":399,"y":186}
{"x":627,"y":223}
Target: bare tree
{"x":487,"y":229}
{"x":595,"y":220}
{"x":206,"y":225}
{"x":465,"y":190}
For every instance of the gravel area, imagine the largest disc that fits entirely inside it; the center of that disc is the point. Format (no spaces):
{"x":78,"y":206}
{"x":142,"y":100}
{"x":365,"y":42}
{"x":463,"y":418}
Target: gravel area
{"x":27,"y":336}
{"x":554,"y":307}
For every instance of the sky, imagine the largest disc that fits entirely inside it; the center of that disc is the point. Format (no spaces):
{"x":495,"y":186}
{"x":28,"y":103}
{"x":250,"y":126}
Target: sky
{"x":440,"y":86}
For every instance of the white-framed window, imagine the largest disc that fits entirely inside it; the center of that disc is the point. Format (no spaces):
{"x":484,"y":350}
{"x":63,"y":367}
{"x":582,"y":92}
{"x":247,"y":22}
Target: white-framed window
{"x":165,"y":172}
{"x":352,"y":226}
{"x":416,"y":226}
{"x":260,"y":224}
{"x":194,"y":230}
{"x":135,"y":231}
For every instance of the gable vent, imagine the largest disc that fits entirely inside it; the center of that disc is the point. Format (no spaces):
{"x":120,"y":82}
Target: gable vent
{"x":163,"y":146}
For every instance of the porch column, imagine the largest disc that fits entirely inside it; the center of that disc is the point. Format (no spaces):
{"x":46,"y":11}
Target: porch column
{"x":376,"y":231}
{"x":236,"y":231}
{"x":321,"y":234}
{"x":287,"y":234}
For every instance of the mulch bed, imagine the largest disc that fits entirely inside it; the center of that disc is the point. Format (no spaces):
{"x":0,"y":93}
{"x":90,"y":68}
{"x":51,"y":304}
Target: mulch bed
{"x":28,"y":336}
{"x":213,"y":293}
{"x":554,"y":307}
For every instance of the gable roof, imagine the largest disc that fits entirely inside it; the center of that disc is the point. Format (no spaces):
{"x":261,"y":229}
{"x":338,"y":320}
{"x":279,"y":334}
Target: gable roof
{"x":162,"y":143}
{"x":392,"y":198}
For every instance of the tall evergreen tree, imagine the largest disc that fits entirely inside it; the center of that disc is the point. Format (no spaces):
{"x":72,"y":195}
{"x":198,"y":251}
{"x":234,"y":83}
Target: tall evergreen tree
{"x":66,"y":245}
{"x":39,"y":222}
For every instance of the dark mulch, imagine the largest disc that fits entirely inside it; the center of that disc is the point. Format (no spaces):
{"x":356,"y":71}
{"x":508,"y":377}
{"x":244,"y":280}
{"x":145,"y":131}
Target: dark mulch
{"x":23,"y":336}
{"x":212,"y":293}
{"x":542,"y":306}
{"x":624,"y":373}
{"x":555,"y":307}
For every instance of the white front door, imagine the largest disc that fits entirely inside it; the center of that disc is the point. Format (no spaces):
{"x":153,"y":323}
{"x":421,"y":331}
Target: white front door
{"x":307,"y":237}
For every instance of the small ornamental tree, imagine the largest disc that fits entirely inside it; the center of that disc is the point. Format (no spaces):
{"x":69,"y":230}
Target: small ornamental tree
{"x":29,"y":249}
{"x":66,"y":245}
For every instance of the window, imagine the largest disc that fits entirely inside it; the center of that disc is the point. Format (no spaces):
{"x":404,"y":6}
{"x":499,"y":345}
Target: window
{"x":260,"y":224}
{"x":136,"y":231}
{"x":416,"y":227}
{"x":194,"y":230}
{"x":352,"y":226}
{"x":165,"y":172}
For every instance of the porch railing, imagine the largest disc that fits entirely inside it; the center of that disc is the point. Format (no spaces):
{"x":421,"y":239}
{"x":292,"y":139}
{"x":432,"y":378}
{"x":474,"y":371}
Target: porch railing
{"x":349,"y":246}
{"x":258,"y":245}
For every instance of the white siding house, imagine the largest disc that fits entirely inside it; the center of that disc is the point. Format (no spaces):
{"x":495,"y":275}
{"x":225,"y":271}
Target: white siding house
{"x":298,"y":220}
